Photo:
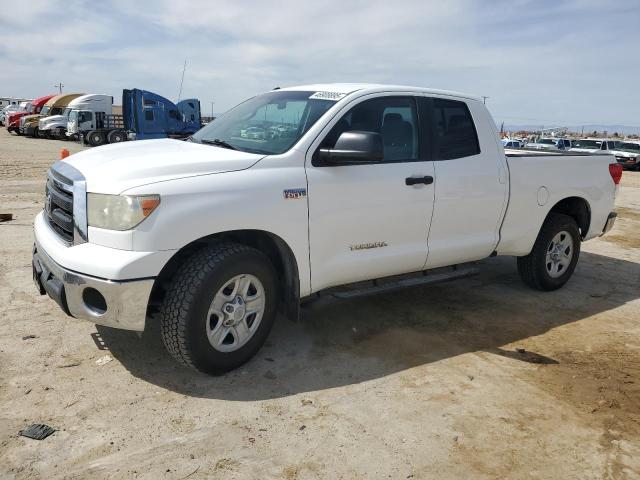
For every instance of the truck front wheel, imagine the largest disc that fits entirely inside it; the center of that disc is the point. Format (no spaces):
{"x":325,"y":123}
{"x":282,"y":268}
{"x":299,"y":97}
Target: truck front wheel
{"x":554,"y":255}
{"x":219,"y":308}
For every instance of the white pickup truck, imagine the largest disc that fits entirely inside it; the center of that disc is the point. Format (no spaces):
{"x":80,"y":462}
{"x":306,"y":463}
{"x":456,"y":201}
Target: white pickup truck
{"x":375,"y":184}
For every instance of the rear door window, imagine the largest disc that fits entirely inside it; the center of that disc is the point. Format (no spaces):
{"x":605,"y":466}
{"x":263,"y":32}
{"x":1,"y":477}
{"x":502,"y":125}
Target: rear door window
{"x":454,"y":130}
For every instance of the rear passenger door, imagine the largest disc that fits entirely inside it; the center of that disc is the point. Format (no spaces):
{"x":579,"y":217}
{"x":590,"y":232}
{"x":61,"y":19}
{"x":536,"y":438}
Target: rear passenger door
{"x":471,"y":181}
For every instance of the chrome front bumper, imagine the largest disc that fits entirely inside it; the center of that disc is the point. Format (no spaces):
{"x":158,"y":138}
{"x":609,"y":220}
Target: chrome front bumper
{"x":118,"y":304}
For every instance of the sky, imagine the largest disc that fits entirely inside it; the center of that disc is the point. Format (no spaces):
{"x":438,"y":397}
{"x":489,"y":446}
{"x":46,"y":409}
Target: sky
{"x":540,"y":62}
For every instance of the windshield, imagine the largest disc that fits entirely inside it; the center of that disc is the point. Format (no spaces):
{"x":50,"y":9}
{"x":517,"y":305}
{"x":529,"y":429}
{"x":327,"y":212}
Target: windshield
{"x":629,"y":147}
{"x":547,"y":141}
{"x":66,"y":112}
{"x":73,"y":115}
{"x":587,"y":144}
{"x":269,"y":124}
{"x":45,"y":110}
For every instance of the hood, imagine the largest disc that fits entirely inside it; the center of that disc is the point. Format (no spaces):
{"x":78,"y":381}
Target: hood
{"x":31,"y":118}
{"x":119,"y":167}
{"x":13,"y":116}
{"x":54,"y":118}
{"x":61,"y":119}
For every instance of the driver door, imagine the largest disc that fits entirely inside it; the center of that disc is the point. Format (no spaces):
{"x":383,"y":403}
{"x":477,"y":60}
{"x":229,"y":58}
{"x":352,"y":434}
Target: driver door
{"x":366,"y":220}
{"x":85,"y":121}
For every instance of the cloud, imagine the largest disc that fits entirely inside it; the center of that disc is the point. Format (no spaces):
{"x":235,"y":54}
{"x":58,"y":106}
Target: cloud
{"x":541,"y":62}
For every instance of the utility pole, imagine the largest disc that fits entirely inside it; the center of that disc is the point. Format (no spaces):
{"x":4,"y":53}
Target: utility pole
{"x":182,"y":81}
{"x":211,"y":109}
{"x":59,"y":85}
{"x":484,"y":99}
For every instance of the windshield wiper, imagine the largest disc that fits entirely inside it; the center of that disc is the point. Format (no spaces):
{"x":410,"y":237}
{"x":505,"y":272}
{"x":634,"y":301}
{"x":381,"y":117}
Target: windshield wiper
{"x":218,"y":143}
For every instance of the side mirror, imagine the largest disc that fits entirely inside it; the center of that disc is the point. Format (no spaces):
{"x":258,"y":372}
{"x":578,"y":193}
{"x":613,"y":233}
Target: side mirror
{"x":354,"y":147}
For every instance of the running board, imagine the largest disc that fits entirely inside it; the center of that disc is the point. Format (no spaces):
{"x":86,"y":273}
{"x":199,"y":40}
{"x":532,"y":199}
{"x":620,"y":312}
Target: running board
{"x":383,"y":285}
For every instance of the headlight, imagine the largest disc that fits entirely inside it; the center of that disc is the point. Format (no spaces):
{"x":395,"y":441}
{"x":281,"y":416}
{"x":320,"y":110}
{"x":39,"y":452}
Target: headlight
{"x":119,"y":212}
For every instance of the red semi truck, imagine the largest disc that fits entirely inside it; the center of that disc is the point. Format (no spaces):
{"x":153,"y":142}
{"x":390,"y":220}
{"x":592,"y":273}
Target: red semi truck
{"x":13,"y":119}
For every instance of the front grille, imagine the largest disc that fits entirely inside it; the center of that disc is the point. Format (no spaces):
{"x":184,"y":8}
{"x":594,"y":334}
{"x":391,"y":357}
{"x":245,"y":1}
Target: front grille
{"x":58,"y":205}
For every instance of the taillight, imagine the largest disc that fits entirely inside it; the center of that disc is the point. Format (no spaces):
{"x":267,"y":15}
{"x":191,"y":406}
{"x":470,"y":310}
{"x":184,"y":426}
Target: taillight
{"x":615,"y":169}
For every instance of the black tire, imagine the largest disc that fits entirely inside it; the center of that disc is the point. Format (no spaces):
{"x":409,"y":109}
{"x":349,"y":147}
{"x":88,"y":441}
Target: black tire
{"x":95,"y":138}
{"x":117,"y":136}
{"x":37,"y":133}
{"x":183,"y":314}
{"x":533,"y":267}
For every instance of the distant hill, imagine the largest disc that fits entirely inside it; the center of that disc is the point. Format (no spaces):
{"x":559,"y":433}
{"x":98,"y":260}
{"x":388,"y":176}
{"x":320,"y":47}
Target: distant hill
{"x":588,"y":129}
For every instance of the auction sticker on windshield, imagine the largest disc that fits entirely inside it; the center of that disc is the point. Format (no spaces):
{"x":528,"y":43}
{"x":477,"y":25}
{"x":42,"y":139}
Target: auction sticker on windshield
{"x":335,"y":96}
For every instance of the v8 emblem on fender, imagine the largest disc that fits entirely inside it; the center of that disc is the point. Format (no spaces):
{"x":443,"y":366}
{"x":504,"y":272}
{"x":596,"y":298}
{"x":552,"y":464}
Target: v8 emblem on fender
{"x":295,"y":193}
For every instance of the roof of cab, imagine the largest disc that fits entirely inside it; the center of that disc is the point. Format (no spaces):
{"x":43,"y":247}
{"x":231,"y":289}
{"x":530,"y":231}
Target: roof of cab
{"x":348,"y":88}
{"x":88,"y":98}
{"x":40,"y":101}
{"x":62,"y":100}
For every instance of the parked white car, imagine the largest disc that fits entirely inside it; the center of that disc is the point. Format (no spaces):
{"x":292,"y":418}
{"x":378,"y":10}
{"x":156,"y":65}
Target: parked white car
{"x":550,"y":144}
{"x":212,"y":237}
{"x":255,"y":133}
{"x":592,"y":145}
{"x":628,"y":154}
{"x":508,"y":143}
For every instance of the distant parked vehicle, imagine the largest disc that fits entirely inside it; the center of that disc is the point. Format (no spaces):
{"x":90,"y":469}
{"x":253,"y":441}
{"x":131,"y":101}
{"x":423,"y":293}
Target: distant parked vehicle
{"x":56,"y":126}
{"x":13,"y":119}
{"x":508,"y":143}
{"x":148,"y":115}
{"x":29,"y":125}
{"x":550,"y":144}
{"x":628,"y":155}
{"x":592,"y":145}
{"x":6,"y":101}
{"x":253,"y":133}
{"x":144,"y":115}
{"x":14,"y":107}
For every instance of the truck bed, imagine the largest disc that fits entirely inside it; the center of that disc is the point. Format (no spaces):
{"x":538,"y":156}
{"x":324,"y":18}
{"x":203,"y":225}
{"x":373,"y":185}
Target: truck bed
{"x":539,"y":180}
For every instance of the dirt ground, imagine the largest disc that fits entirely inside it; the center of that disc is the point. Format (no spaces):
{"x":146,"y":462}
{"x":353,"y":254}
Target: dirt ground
{"x":423,"y":383}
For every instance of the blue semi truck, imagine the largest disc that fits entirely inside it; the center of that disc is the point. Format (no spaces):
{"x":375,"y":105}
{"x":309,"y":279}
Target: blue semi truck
{"x":145,"y":115}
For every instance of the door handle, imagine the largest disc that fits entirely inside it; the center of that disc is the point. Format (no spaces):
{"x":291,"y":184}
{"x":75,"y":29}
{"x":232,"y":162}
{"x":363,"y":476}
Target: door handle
{"x":428,"y":180}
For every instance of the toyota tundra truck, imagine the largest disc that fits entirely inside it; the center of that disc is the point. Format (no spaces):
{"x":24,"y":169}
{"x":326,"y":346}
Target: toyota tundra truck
{"x":357,"y":186}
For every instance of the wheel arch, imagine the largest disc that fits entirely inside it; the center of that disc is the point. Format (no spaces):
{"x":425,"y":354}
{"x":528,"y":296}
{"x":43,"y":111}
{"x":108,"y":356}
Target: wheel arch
{"x":577,"y":208}
{"x":273,"y":246}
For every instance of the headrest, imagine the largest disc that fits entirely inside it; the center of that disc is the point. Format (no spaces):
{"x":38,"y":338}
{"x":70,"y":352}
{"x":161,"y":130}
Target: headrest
{"x":392,"y":118}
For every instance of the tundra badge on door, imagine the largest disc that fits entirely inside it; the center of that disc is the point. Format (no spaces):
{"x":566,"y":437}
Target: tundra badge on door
{"x":366,"y":246}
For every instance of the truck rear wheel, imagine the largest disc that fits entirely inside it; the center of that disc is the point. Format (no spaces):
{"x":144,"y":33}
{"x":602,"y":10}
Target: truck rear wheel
{"x":116,"y":136}
{"x":219,"y":308}
{"x":554,"y":255}
{"x":95,"y":138}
